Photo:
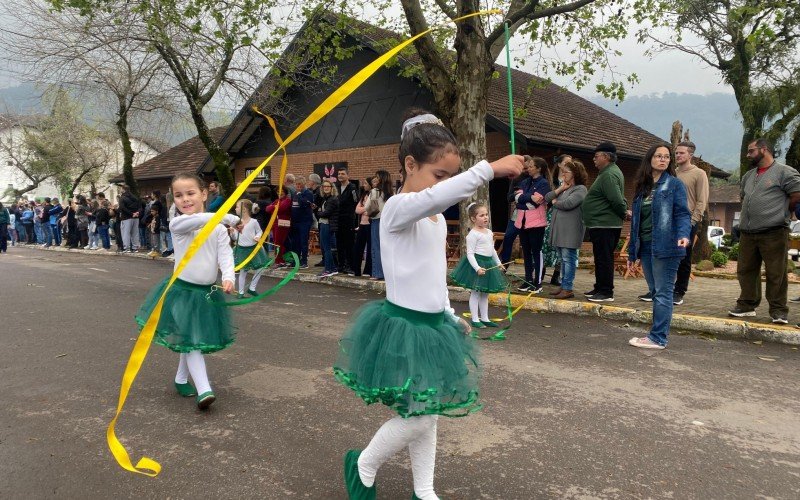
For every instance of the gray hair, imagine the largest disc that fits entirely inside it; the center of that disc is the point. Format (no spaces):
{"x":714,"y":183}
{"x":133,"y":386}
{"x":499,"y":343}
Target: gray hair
{"x":316,"y":179}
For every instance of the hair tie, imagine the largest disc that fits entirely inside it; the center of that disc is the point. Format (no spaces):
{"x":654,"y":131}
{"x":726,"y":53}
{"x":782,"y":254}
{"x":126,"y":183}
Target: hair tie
{"x":416,"y":120}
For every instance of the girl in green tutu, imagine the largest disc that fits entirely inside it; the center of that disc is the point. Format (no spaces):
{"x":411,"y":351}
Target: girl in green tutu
{"x":246,"y":234}
{"x":480,"y":269}
{"x":410,"y":351}
{"x":189,"y":325}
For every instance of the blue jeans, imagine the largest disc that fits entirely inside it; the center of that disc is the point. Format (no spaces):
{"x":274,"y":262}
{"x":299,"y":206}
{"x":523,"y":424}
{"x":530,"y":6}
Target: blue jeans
{"x":22,"y":235}
{"x":37,"y":229}
{"x":569,"y":263}
{"x":144,"y":237}
{"x":327,"y":239}
{"x":660,"y":275}
{"x":377,"y":268}
{"x":508,"y":241}
{"x":55,"y":233}
{"x":300,"y":232}
{"x":102,"y":230}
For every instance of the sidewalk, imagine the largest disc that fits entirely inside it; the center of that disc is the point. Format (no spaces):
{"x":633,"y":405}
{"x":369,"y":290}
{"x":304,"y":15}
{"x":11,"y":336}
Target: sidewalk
{"x":705,"y":307}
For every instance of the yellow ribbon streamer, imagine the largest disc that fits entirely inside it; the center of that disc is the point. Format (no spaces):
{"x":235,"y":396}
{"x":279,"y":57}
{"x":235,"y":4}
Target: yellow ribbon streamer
{"x":148,"y":466}
{"x":274,"y":216}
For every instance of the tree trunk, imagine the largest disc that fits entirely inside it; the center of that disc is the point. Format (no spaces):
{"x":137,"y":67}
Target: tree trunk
{"x":468,"y":115}
{"x":222,"y":162}
{"x":127,"y":150}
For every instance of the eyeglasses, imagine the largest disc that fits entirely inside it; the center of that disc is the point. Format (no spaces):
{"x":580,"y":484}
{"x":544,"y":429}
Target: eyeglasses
{"x":661,"y":157}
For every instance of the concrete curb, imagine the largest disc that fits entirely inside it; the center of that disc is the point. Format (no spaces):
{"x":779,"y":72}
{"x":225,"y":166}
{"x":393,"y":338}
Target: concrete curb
{"x":700,"y":324}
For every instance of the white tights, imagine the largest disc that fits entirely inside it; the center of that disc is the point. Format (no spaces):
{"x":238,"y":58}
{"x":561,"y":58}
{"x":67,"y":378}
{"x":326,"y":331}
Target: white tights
{"x":419,"y":434}
{"x":193,"y":364}
{"x":243,"y":279}
{"x":479,"y":305}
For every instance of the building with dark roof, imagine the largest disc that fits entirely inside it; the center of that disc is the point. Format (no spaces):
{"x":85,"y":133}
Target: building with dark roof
{"x":362,"y":133}
{"x":724,"y":206}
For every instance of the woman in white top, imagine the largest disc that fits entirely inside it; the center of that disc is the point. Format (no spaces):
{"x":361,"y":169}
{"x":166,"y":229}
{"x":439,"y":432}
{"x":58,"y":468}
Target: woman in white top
{"x":480,"y":269}
{"x":190,"y":325}
{"x":410,"y":352}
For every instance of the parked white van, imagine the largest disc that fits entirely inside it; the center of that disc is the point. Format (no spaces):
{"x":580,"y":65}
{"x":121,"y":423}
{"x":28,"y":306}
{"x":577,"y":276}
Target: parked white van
{"x":715,"y":234}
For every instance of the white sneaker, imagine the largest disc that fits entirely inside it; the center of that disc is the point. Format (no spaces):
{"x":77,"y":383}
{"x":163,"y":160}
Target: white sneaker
{"x":87,"y":247}
{"x":644,"y":343}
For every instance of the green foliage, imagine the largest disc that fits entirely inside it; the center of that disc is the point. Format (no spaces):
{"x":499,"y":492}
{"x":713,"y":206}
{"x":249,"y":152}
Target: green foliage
{"x":752,"y":44}
{"x":791,"y":265}
{"x":727,"y":239}
{"x":733,"y":253}
{"x":705,"y":265}
{"x":719,"y":259}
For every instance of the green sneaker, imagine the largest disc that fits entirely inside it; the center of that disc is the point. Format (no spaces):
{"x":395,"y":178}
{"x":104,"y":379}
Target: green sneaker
{"x":352,"y":481}
{"x":252,"y":292}
{"x":490,"y":324}
{"x":239,"y":295}
{"x":205,"y":400}
{"x":186,"y":390}
{"x":414,"y":496}
{"x":478,"y":324}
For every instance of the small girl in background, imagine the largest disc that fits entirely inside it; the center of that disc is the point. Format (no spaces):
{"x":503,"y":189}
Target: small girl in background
{"x":246,"y":234}
{"x":480,"y":270}
{"x":189,"y":325}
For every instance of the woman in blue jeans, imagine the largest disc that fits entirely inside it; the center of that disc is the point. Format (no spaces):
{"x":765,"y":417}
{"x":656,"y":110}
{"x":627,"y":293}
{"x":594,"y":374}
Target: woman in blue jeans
{"x":381,"y":192}
{"x":328,"y":217}
{"x":660,"y":228}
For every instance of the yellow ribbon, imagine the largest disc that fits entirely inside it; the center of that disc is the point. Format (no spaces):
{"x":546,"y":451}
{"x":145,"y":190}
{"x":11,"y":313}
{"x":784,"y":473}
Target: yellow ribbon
{"x":274,"y":216}
{"x":148,"y":466}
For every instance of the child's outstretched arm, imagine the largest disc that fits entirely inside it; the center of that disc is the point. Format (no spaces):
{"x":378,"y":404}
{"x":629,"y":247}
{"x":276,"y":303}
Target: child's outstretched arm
{"x":433,"y":200}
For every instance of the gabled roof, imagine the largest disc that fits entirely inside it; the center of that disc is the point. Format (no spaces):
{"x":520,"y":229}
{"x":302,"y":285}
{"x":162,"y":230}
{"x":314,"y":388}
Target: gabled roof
{"x":554,"y":116}
{"x":187,"y":156}
{"x":726,"y":193}
{"x":715,"y":172}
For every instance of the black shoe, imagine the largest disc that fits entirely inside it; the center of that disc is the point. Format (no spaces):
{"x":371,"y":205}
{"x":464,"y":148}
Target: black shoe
{"x":738,"y":312}
{"x":525,"y":288}
{"x":590,"y":293}
{"x":167,"y":253}
{"x":601,"y":297}
{"x":677,"y":299}
{"x":536,"y":289}
{"x":648,"y":297}
{"x":780,"y":319}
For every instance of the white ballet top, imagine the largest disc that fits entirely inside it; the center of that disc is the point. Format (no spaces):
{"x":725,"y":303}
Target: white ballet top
{"x":482,"y":244}
{"x":413,"y":246}
{"x":216,"y":252}
{"x":250,"y":234}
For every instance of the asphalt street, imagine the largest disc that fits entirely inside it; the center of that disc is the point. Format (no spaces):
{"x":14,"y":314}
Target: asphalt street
{"x":571,"y":411}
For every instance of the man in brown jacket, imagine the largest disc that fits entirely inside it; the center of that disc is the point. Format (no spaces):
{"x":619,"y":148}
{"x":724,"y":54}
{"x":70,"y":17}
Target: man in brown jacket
{"x":696,"y":182}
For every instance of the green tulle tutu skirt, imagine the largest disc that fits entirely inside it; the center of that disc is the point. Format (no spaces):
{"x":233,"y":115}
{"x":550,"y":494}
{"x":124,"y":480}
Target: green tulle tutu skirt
{"x":189,"y":322}
{"x":258,"y":261}
{"x":415,"y":363}
{"x":493,"y":281}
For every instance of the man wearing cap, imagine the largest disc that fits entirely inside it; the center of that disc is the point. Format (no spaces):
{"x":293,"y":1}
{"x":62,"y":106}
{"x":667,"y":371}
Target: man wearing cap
{"x":604,"y":209}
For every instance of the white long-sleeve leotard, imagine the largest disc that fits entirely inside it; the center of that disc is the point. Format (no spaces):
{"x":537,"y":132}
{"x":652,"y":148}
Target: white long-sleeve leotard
{"x":413,"y":246}
{"x":215,"y":253}
{"x":250,"y":234}
{"x":482,"y":244}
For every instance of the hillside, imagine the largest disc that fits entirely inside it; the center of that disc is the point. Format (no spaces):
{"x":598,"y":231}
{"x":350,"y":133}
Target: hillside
{"x":712,"y":121}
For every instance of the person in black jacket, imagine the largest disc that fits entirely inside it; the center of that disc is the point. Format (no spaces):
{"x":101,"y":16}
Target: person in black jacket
{"x":327,"y":213}
{"x":129,"y":211}
{"x":102,"y":220}
{"x":348,"y":199}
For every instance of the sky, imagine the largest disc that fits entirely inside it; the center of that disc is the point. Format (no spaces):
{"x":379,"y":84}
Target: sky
{"x":673,"y":72}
